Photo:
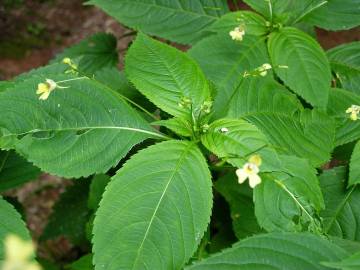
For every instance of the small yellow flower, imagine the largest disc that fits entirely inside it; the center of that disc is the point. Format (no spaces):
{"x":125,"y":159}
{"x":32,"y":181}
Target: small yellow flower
{"x":250,"y":170}
{"x":67,"y":61}
{"x":263,"y":69}
{"x":45,"y":89}
{"x":238,"y":33}
{"x":18,"y":254}
{"x":354,"y":110}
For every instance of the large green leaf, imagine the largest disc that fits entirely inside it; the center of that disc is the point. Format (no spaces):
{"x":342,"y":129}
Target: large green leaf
{"x":165,"y":75}
{"x":354,"y":175}
{"x":345,"y":62}
{"x":275,"y":251}
{"x":69,"y":133}
{"x":155,"y":210}
{"x":346,"y":130}
{"x":93,"y":53}
{"x":342,"y":207}
{"x":240,"y":140}
{"x":240,"y":200}
{"x":308,"y":70}
{"x":297,"y":194}
{"x":309,"y":134}
{"x":336,"y":15}
{"x":10,"y":223}
{"x":15,"y":170}
{"x":84,"y":263}
{"x":224,"y":62}
{"x":70,"y":214}
{"x":258,"y":94}
{"x":176,"y":20}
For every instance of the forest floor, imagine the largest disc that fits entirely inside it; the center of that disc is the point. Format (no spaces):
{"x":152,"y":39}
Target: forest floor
{"x":31,"y":33}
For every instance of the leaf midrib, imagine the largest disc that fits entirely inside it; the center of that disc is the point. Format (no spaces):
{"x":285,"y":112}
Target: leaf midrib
{"x":176,"y":170}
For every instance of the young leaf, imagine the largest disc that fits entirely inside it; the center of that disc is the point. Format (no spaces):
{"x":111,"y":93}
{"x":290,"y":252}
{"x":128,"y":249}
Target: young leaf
{"x":235,"y":140}
{"x":253,"y":23}
{"x":240,"y":200}
{"x":224,"y":62}
{"x":336,"y":15}
{"x":93,"y":53}
{"x":342,"y":208}
{"x":354,"y":175}
{"x":345,"y":62}
{"x":97,"y":188}
{"x":155,"y":210}
{"x":11,"y":223}
{"x":166,"y":75}
{"x":280,"y":251}
{"x":70,"y":214}
{"x":180,"y":126}
{"x":67,"y":133}
{"x":84,"y":263}
{"x":297,"y":195}
{"x":285,"y":11}
{"x":15,"y":170}
{"x":309,"y":134}
{"x":339,"y":101}
{"x":177,"y":20}
{"x":258,"y":94}
{"x":307,"y":70}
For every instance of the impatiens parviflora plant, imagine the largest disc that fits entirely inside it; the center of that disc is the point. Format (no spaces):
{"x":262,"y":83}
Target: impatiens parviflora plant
{"x":255,"y":97}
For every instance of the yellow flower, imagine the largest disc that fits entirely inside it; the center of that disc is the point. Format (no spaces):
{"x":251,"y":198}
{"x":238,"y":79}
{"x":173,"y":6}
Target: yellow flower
{"x":263,"y":69}
{"x":18,"y":254}
{"x":238,"y":33}
{"x":67,"y":61}
{"x":250,"y":170}
{"x":354,"y":110}
{"x":44,"y":89}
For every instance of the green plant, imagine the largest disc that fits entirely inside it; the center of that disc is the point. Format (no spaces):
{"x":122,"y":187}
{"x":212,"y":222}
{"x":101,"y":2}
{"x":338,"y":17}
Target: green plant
{"x":255,"y":98}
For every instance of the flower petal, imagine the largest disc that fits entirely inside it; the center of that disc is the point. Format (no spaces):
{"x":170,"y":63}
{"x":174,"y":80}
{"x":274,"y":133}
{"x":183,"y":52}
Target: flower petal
{"x":242,"y":175}
{"x":254,"y":180}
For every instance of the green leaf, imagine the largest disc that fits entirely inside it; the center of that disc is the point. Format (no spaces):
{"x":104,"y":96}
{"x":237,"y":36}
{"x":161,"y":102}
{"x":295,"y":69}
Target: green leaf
{"x":342,"y":208}
{"x":354,"y":175}
{"x":165,"y":75}
{"x":253,"y":23}
{"x":11,"y":223}
{"x":345,"y":62}
{"x":224,"y":62}
{"x":238,"y":142}
{"x":349,"y":263}
{"x":258,"y":94}
{"x":239,"y":198}
{"x":93,"y":53}
{"x":336,"y":15}
{"x":84,"y":263}
{"x":66,"y":134}
{"x":309,"y":134}
{"x":177,"y":20}
{"x":70,"y":214}
{"x":97,"y":188}
{"x":155,"y":210}
{"x":180,"y":126}
{"x":278,"y":251}
{"x":297,"y":194}
{"x":308,"y":72}
{"x":346,"y":130}
{"x":15,"y":170}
